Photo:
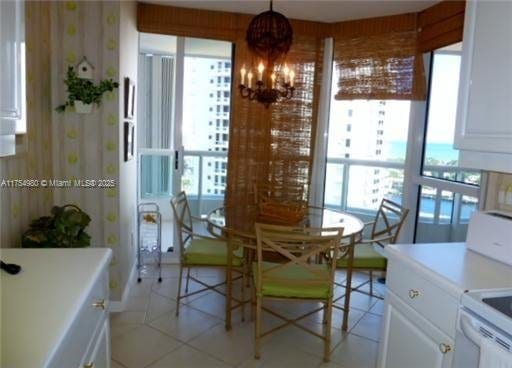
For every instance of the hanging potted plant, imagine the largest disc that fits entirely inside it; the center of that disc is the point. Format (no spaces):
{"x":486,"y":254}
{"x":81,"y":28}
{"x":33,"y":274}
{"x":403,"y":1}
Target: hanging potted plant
{"x":83,"y":93}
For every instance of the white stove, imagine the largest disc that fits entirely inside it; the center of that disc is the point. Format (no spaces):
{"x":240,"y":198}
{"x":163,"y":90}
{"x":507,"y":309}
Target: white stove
{"x":485,"y":316}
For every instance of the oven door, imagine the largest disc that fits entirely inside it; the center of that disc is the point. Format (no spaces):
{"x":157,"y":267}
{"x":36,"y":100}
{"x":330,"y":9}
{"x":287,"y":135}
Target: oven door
{"x":471,"y":331}
{"x":467,"y":341}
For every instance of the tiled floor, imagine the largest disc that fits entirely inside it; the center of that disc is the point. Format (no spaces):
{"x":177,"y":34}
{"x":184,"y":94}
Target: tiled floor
{"x":148,"y":334}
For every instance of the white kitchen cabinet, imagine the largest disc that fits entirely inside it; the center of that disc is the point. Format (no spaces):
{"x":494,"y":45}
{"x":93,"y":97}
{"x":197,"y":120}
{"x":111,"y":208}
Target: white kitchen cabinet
{"x":424,"y":285}
{"x":484,"y":115}
{"x":100,"y":354}
{"x":56,"y":311}
{"x":11,"y":32}
{"x":411,"y":340}
{"x":87,"y":340}
{"x":10,"y":59}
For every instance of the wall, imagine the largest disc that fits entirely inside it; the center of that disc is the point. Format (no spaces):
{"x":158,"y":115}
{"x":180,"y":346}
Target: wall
{"x":33,"y":160}
{"x":72,"y":146}
{"x":128,"y":63}
{"x":90,"y":146}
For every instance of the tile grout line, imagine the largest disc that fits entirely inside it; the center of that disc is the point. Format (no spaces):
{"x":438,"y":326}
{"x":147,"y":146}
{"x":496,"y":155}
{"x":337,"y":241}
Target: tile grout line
{"x":152,"y":293}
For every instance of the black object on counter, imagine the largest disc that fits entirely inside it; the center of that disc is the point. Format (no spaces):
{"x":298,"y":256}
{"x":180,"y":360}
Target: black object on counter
{"x":10,"y":268}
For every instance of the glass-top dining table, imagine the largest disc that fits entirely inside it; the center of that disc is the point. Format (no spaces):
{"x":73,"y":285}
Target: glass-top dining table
{"x":318,"y":217}
{"x":221,"y":219}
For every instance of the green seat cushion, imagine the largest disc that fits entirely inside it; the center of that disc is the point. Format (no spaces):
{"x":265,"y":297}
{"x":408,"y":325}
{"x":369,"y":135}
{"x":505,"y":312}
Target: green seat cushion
{"x":365,"y":257}
{"x":209,"y":252}
{"x":292,"y":282}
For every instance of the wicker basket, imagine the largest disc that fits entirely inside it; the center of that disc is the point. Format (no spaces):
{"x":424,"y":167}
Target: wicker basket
{"x":281,"y":213}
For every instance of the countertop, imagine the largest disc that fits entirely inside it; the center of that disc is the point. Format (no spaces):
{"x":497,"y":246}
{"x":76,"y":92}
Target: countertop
{"x":39,"y":304}
{"x":455,"y":266}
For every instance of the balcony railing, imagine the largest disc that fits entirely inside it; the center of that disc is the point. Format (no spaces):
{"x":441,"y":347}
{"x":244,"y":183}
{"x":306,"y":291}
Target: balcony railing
{"x":434,"y":199}
{"x":200,"y":190}
{"x":441,"y":202}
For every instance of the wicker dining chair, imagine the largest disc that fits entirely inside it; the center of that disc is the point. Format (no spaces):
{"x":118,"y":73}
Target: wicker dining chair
{"x":385,"y":229}
{"x":297,"y":278}
{"x":202,"y":251}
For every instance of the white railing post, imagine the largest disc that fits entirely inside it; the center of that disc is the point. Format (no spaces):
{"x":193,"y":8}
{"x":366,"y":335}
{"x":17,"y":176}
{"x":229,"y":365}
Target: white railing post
{"x":344,"y":186}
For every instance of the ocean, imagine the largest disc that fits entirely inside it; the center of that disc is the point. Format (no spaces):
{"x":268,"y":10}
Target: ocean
{"x":443,"y":152}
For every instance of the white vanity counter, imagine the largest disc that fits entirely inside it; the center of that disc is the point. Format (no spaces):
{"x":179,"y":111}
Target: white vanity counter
{"x":49,"y":298}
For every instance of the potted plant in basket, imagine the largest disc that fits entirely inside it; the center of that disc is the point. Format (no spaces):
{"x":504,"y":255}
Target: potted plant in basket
{"x":83,"y":93}
{"x":65,"y":228}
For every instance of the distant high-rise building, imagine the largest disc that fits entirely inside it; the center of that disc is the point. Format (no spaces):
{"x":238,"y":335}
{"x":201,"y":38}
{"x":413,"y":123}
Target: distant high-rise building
{"x":358,"y":130}
{"x":219,"y":97}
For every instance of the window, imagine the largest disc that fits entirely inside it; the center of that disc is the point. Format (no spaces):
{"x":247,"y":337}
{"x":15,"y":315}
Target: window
{"x":357,"y":132}
{"x":440,"y":159}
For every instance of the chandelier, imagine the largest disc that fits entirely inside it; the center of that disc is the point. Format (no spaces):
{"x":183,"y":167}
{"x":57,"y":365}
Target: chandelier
{"x":269,"y":37}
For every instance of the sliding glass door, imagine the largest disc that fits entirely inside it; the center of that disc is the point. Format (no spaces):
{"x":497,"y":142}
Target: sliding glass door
{"x":448,"y":194}
{"x":158,"y":139}
{"x":184,"y":98}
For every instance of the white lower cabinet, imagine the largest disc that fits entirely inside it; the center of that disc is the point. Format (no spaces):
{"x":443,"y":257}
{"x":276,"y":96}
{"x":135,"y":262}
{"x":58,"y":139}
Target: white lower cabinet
{"x":87,"y":342}
{"x":409,"y":340}
{"x":99,"y":357}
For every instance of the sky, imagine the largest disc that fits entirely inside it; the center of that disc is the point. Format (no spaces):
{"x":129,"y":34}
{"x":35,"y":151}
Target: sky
{"x":443,"y":98}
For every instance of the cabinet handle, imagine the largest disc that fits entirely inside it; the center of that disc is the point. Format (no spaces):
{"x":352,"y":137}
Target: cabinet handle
{"x":90,"y":365}
{"x":101,"y":305}
{"x":444,"y":348}
{"x":413,"y":293}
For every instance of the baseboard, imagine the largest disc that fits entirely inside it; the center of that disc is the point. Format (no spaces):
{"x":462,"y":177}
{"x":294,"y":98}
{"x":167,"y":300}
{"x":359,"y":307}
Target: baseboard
{"x":120,"y":305}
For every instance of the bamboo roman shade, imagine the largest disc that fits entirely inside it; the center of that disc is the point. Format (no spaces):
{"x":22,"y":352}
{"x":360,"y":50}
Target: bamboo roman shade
{"x":294,"y":121}
{"x":272,"y":148}
{"x":440,"y":25}
{"x":378,"y":59}
{"x":379,"y":67}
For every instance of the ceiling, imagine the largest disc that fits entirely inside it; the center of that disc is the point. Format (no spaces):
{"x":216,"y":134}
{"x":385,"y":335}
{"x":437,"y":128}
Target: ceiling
{"x":321,"y":10}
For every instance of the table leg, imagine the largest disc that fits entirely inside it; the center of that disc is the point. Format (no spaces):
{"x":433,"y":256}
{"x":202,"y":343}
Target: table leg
{"x":348,"y":282}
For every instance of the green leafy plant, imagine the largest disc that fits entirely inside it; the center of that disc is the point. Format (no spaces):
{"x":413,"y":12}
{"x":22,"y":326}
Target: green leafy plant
{"x":63,"y":229}
{"x":84,"y":90}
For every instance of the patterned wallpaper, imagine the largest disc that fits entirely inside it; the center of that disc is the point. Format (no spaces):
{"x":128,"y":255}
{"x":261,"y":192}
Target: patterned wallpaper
{"x":33,"y":160}
{"x":69,"y":145}
{"x":85,"y":146}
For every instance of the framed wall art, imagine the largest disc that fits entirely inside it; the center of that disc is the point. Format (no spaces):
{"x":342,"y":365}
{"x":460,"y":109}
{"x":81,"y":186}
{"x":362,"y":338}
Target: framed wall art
{"x":129,"y":98}
{"x":129,"y":140}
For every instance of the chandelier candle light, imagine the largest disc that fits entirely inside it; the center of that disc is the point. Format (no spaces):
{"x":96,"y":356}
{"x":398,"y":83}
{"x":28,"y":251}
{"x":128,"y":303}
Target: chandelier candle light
{"x":269,"y":36}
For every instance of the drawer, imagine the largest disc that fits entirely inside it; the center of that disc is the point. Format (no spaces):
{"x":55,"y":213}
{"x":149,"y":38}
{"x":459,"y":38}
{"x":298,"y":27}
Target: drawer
{"x":429,"y":300}
{"x":72,"y":351}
